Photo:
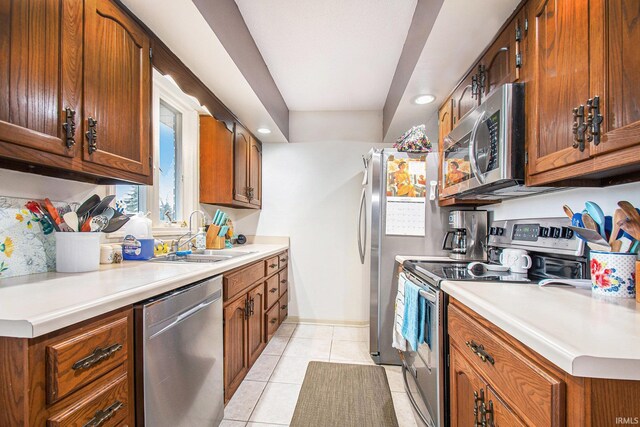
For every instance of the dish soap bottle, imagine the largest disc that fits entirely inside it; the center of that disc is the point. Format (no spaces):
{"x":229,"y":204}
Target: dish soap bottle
{"x":201,"y":239}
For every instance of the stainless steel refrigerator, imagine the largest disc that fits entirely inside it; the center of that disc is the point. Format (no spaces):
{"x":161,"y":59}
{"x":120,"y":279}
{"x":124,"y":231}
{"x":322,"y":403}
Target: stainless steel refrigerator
{"x":378,"y":248}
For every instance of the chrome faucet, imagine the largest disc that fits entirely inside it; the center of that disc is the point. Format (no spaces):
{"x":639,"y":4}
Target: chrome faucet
{"x":190,"y":234}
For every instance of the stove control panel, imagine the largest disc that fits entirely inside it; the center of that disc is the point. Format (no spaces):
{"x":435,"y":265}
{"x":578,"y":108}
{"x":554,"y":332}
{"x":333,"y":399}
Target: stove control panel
{"x":550,"y":235}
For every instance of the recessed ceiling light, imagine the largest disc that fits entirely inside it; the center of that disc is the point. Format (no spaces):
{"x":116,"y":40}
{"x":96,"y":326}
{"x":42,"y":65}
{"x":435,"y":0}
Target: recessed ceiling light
{"x":424,"y":99}
{"x":264,"y":131}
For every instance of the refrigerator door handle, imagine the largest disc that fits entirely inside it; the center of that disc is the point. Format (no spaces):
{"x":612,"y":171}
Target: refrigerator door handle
{"x":362,"y":245}
{"x":444,"y":241}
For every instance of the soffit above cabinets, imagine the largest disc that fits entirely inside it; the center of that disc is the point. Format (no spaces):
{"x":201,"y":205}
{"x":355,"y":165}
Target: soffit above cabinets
{"x":462,"y":30}
{"x":181,"y":26}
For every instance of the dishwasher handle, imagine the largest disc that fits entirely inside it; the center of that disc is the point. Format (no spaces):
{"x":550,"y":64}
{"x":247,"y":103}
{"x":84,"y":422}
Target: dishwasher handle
{"x":189,"y":313}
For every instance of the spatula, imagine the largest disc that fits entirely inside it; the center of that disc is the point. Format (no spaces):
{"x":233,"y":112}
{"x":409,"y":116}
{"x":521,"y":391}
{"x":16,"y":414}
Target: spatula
{"x":590,"y":223}
{"x":593,"y":238}
{"x":598,"y":216}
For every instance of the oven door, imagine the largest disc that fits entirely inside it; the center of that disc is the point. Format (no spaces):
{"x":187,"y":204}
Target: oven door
{"x":424,"y":370}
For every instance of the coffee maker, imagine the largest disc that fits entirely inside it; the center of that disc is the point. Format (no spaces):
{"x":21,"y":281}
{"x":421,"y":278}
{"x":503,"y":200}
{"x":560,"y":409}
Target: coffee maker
{"x":468,"y":232}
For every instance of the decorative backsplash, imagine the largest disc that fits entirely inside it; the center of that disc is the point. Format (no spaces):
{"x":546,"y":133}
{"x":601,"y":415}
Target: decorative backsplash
{"x":24,"y":248}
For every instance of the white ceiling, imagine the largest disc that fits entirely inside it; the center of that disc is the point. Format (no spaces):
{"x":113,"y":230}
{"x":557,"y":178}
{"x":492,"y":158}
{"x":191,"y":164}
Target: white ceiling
{"x":331,"y":54}
{"x":462,"y":30}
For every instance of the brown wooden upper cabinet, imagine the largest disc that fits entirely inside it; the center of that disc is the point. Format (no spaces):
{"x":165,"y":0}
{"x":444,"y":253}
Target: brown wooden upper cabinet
{"x":75,"y":89}
{"x":117,"y":89}
{"x":584,"y":89}
{"x":465,"y":97}
{"x":230,"y":165}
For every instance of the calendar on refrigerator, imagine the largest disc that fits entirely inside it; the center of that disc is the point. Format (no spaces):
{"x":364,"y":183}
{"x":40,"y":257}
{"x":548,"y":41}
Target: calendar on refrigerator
{"x":405,"y":216}
{"x":406,"y":196}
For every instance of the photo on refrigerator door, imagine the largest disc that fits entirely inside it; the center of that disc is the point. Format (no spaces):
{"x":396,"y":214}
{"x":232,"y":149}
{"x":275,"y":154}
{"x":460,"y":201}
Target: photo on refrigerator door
{"x":406,"y":177}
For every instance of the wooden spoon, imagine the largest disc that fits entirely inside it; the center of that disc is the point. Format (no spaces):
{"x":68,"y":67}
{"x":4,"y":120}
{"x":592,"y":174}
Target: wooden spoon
{"x":568,"y":212}
{"x":618,"y":217}
{"x":631,"y":228}
{"x":589,"y":222}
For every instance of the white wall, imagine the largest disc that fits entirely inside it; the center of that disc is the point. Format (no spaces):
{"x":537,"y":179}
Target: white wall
{"x":311,"y":189}
{"x":550,"y":204}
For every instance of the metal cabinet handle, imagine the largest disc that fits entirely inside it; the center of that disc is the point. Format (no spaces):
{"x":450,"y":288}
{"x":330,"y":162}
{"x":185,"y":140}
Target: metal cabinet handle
{"x":273,"y":265}
{"x":98,"y":355}
{"x":272,"y":290}
{"x":69,"y":127}
{"x":272,"y":321}
{"x":283,"y":281}
{"x":594,"y":119}
{"x":251,"y":307}
{"x":486,"y":412}
{"x":103,"y":415}
{"x":478,"y":399}
{"x":579,"y":128}
{"x":284,"y":259}
{"x":283,"y":307}
{"x":92,"y":135}
{"x":478,"y":350}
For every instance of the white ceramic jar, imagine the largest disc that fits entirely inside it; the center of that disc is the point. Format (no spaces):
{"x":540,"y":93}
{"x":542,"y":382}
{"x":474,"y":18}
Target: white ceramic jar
{"x":77,"y":252}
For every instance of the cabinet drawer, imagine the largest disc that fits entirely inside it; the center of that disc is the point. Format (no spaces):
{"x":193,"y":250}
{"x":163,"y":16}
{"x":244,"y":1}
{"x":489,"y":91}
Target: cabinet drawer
{"x":271,"y":291}
{"x":527,"y":388}
{"x":109,"y":403}
{"x":80,"y":359}
{"x":283,"y":304}
{"x":271,"y":265}
{"x":283,"y":259}
{"x":239,"y":281}
{"x":272,"y":319}
{"x":283,"y":277}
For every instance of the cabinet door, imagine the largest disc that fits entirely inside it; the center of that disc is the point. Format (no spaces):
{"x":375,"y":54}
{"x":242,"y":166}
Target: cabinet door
{"x":117,"y":90}
{"x":241,"y":146}
{"x":236,"y":362}
{"x":255,"y":323}
{"x":464,"y":98}
{"x":499,"y":412}
{"x":466,"y":390}
{"x":216,"y":161}
{"x":615,"y":72}
{"x":559,"y":81}
{"x":40,"y":76}
{"x":445,"y":124}
{"x":499,"y":62}
{"x":255,"y":173}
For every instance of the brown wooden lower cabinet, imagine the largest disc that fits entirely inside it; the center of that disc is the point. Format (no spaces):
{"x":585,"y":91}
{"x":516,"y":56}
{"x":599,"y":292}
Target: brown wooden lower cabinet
{"x":497,"y":381}
{"x":70,"y":377}
{"x":253,"y":300}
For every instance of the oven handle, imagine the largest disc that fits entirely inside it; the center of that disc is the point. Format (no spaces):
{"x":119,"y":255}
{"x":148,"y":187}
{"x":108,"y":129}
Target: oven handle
{"x":412,"y":399}
{"x":472,"y":150}
{"x":428,"y":296}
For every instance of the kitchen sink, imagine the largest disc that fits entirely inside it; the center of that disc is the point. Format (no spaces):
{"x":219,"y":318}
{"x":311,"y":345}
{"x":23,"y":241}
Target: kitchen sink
{"x":206,"y":256}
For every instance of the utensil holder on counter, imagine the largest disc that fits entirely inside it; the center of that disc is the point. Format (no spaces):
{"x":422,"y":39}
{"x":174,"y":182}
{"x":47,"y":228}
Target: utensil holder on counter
{"x":613,"y":274}
{"x":77,"y":252}
{"x":213,"y":240}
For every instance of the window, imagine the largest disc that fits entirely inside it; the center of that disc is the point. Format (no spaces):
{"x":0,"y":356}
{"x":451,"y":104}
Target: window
{"x":169,"y":172}
{"x":175,"y":150}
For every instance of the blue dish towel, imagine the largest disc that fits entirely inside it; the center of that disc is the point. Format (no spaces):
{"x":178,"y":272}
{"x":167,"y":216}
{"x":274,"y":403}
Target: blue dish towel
{"x":411,"y":319}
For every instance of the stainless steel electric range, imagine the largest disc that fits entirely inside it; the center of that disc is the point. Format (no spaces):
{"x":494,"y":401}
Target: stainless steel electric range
{"x":555,"y":254}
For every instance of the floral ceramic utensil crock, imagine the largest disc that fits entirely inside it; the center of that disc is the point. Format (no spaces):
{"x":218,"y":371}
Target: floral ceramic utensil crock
{"x":613,"y":274}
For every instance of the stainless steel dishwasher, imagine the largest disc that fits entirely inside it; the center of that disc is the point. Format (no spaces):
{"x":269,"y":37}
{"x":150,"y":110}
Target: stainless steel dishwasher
{"x":179,"y":357}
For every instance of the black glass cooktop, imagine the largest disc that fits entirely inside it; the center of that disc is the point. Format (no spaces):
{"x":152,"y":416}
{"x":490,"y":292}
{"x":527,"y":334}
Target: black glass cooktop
{"x":435,"y":272}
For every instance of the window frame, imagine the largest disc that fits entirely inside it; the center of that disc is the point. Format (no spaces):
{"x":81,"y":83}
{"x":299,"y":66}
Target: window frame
{"x":187,"y":155}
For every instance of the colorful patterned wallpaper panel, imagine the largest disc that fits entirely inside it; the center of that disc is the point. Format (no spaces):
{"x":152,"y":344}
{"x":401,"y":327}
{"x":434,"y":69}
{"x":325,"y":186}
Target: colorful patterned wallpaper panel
{"x":24,"y":248}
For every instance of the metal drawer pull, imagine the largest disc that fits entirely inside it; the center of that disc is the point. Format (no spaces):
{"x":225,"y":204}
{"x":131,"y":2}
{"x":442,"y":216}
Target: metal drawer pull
{"x":284,"y":259}
{"x":103,"y":415}
{"x":272,"y":290}
{"x":273,"y":265}
{"x":272,"y":321}
{"x":283,"y":281}
{"x":283,"y":307}
{"x":478,"y":350}
{"x":98,"y":355}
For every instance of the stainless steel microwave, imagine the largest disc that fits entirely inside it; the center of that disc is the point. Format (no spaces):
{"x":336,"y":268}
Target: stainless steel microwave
{"x":483,"y":157}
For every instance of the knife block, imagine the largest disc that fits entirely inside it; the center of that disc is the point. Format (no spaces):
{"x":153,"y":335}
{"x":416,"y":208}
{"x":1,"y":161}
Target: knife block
{"x":213,"y":240}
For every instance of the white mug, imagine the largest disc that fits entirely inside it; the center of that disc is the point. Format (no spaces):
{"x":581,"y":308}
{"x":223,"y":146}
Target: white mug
{"x":516,"y":259}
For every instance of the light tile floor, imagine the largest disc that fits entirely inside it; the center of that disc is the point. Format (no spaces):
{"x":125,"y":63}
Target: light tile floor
{"x":268,"y":395}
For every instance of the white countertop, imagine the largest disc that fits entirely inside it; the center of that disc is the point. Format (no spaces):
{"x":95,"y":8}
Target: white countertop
{"x":37,"y":304}
{"x":583,"y":335}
